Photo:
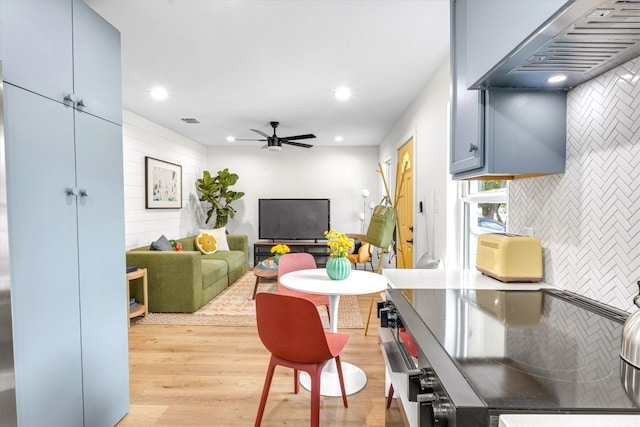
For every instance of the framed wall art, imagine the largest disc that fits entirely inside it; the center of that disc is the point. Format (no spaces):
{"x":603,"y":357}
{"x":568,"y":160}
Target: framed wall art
{"x":163,"y":184}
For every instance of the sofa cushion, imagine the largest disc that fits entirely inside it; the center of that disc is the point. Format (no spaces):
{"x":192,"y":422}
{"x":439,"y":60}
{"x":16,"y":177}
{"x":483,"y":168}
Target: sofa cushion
{"x":162,"y":244}
{"x":221,"y":237}
{"x":212,"y":271}
{"x":234,"y":259}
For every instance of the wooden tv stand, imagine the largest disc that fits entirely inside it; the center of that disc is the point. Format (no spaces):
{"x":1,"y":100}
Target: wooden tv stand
{"x":319,"y":250}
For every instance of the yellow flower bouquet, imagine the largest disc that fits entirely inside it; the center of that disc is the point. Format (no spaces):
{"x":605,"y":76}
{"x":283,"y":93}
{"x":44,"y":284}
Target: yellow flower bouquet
{"x":339,"y":244}
{"x":280,"y":249}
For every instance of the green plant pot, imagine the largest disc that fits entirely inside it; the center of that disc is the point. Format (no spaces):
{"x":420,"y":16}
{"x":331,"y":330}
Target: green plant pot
{"x":276,"y":258}
{"x":338,"y":268}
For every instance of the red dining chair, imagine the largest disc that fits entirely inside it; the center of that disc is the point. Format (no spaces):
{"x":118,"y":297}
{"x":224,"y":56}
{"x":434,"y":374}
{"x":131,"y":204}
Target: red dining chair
{"x":291,"y":329}
{"x":300,"y":261}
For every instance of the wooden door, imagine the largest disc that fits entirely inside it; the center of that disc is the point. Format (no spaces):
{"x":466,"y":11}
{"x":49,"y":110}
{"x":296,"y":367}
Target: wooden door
{"x":404,"y":189}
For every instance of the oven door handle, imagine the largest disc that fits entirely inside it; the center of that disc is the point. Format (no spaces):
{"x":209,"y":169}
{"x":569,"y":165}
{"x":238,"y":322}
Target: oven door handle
{"x":397,"y":364}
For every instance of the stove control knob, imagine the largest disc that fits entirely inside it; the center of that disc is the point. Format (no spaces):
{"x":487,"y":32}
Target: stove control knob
{"x":441,"y":412}
{"x":432,"y":411}
{"x":428,"y":380}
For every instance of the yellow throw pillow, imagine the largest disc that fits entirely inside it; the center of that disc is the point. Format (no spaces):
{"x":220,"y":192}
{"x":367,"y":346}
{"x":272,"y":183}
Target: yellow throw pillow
{"x":206,"y":243}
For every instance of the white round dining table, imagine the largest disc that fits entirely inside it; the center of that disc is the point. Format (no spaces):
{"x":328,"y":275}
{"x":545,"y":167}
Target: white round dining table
{"x":316,"y":281}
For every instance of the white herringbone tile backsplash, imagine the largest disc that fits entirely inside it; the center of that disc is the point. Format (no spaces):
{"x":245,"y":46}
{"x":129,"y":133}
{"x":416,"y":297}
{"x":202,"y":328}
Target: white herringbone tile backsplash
{"x":588,"y":219}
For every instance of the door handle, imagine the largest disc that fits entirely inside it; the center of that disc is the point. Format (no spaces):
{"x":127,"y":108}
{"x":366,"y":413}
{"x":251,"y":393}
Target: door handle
{"x":410,"y":241}
{"x":83,"y":193}
{"x":71,"y":191}
{"x":411,"y":229}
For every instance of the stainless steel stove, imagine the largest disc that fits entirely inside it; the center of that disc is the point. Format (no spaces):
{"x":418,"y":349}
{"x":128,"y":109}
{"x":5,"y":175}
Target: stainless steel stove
{"x":483,"y":353}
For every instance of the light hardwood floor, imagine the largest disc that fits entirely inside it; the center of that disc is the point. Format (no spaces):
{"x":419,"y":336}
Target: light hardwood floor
{"x":213,"y":376}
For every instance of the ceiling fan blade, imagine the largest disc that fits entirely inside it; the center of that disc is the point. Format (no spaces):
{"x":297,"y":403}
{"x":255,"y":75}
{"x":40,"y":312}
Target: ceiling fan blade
{"x":261,"y":133}
{"x":297,"y":144}
{"x":307,"y":136}
{"x":242,"y":139}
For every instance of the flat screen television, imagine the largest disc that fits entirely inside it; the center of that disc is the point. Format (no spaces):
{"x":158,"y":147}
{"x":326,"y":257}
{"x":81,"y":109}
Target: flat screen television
{"x":293,"y":219}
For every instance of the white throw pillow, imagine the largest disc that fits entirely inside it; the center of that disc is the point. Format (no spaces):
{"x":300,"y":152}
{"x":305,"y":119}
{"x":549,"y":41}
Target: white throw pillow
{"x":220,"y":235}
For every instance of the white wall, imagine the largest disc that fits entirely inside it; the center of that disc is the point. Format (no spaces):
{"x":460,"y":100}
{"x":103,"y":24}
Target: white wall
{"x":426,"y":120}
{"x":143,"y":138}
{"x":337,"y":173}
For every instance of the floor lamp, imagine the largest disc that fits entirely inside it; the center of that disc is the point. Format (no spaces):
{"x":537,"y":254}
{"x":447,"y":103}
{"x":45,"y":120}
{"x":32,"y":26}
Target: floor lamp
{"x":365,"y":193}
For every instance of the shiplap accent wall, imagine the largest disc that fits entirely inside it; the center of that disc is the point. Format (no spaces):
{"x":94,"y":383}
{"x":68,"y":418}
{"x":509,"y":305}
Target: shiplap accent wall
{"x":142,"y":138}
{"x":588,"y":219}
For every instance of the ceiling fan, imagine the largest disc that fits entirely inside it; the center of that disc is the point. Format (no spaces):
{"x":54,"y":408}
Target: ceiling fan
{"x":274,"y":142}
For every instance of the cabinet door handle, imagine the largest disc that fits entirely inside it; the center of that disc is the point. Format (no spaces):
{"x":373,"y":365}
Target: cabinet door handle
{"x":410,"y":241}
{"x":83,"y":193}
{"x":80,"y":103}
{"x":71,"y":191}
{"x":68,"y":99}
{"x":473,"y":147}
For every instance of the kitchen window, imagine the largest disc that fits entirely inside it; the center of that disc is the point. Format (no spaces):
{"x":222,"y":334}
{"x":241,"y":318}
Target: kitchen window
{"x":484,"y":211}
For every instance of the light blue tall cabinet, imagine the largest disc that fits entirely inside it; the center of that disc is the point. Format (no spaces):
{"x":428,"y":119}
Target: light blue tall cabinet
{"x":63,"y":118}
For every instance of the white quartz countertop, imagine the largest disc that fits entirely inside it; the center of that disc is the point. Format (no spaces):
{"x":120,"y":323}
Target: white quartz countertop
{"x":552,"y":420}
{"x":451,"y":279}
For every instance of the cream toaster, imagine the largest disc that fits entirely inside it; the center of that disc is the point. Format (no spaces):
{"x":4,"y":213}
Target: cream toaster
{"x":509,"y":257}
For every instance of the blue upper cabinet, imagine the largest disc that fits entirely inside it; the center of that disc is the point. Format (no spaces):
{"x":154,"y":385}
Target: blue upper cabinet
{"x":96,"y":64}
{"x":501,"y":134}
{"x":63,"y":50}
{"x":36,"y":46}
{"x":467,"y":144}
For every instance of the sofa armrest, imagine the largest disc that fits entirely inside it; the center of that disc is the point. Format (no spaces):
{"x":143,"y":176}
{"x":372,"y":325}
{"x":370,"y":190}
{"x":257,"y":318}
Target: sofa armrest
{"x":175,"y":278}
{"x":239,"y":242}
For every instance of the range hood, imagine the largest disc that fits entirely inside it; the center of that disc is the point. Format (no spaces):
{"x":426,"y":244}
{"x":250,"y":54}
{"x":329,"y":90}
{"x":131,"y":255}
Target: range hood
{"x":582,"y":40}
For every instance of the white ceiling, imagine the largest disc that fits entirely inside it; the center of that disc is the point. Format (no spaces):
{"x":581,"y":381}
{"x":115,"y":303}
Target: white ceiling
{"x":236,"y":65}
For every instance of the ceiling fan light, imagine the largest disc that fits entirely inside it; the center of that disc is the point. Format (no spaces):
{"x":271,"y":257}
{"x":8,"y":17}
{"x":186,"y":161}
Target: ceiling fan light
{"x":274,"y":148}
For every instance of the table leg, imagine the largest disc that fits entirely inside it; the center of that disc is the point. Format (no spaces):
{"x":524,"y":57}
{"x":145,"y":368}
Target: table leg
{"x":354,"y":378}
{"x":255,"y":287}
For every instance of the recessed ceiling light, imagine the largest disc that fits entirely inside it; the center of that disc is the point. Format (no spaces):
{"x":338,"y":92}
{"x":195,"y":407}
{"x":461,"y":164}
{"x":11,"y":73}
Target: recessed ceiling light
{"x":159,"y":93}
{"x":231,"y":138}
{"x":556,"y":79}
{"x":338,"y":139}
{"x":342,"y":93}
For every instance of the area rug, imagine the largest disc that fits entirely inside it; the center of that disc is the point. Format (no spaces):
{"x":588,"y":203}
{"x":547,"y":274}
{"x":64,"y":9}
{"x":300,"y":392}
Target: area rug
{"x":234,"y":307}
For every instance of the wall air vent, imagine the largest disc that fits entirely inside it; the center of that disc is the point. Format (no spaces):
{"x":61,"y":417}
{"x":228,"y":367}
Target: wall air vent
{"x":190,"y":120}
{"x":583,"y":41}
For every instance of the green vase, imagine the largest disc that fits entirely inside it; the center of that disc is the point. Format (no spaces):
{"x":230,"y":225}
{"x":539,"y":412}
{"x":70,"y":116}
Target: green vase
{"x":276,"y":258}
{"x":338,"y":268}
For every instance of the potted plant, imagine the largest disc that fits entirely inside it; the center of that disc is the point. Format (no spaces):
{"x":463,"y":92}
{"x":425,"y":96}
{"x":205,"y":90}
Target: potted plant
{"x":215,"y":190}
{"x":338,"y":266}
{"x":279,"y":250}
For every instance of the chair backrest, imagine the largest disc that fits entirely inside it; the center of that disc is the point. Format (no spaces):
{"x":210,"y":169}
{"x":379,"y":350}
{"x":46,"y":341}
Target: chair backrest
{"x":294,"y":262}
{"x":290,"y":328}
{"x":364,"y":253}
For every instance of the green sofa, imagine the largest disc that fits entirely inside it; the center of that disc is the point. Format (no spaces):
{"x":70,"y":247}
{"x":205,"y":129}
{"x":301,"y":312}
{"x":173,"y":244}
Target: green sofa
{"x":182,"y":282}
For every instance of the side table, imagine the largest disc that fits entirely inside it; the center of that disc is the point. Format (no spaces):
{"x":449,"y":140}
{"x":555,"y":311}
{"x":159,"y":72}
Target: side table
{"x":141,"y":309}
{"x":263,"y":273}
